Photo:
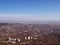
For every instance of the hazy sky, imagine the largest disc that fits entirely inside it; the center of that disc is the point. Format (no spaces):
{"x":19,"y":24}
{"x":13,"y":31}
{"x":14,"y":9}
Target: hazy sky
{"x":29,"y":10}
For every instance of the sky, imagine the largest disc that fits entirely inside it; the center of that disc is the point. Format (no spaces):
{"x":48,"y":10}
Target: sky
{"x":35,"y":10}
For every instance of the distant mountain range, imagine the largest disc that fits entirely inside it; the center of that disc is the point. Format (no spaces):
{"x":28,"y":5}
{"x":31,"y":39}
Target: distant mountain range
{"x":32,"y":22}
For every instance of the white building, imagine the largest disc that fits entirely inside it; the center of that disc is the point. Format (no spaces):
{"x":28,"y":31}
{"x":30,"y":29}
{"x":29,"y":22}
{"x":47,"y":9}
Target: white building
{"x":18,"y":40}
{"x":13,"y":40}
{"x":28,"y":38}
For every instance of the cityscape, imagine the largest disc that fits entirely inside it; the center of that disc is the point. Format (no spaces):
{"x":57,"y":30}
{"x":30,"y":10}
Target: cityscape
{"x":29,"y":22}
{"x":29,"y":34}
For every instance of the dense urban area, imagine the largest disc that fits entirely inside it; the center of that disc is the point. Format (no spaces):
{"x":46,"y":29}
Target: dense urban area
{"x":29,"y":34}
